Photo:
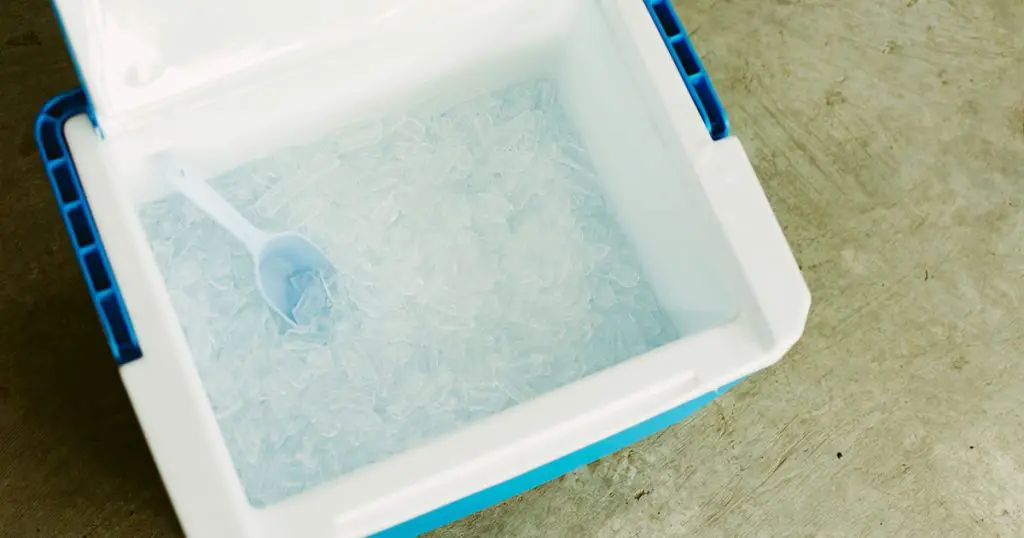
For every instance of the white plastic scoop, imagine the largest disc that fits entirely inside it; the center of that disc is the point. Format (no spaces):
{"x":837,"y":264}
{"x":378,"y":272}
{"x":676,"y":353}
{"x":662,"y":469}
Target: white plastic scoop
{"x":280,"y":259}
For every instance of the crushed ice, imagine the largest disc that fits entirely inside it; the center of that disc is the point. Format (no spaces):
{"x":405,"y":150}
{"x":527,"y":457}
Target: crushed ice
{"x":479,"y":266}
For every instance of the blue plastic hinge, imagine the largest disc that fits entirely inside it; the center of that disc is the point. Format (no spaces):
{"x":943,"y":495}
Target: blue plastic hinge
{"x":74,"y":208}
{"x":698,"y":83}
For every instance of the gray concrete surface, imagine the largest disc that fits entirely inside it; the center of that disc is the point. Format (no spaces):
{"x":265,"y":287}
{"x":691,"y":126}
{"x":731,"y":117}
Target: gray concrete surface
{"x":889,"y":136}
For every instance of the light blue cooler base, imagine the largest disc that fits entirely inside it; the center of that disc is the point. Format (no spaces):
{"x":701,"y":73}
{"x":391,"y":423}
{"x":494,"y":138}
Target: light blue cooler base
{"x":524,"y":482}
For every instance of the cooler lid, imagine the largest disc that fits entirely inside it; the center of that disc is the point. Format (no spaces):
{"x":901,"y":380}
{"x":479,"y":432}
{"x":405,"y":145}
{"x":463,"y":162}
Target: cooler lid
{"x":137,"y":58}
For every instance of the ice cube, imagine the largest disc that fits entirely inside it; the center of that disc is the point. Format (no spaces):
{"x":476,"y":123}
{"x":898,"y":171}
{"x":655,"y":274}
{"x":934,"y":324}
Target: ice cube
{"x":624,"y":274}
{"x":315,"y":298}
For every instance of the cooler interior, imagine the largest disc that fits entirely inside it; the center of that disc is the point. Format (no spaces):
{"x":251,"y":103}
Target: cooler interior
{"x":503,"y":226}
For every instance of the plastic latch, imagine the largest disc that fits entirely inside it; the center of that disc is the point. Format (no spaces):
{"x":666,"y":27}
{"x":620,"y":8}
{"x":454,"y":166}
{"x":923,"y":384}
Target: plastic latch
{"x":696,"y":78}
{"x":78,"y":219}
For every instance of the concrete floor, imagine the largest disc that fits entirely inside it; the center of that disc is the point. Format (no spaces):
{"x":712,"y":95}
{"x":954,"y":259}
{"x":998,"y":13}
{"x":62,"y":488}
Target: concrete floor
{"x":889,"y":136}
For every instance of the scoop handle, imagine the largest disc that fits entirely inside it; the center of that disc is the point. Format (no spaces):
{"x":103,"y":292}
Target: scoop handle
{"x":204,"y":196}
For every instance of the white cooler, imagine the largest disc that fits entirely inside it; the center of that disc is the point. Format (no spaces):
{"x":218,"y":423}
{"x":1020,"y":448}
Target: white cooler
{"x":232,"y":82}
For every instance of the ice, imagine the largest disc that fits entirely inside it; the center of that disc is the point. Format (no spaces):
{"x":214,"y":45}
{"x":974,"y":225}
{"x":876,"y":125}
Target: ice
{"x":480,"y":266}
{"x":315,"y":301}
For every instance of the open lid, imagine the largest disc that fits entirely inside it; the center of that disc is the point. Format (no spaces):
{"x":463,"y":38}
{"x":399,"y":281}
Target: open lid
{"x":140,"y":58}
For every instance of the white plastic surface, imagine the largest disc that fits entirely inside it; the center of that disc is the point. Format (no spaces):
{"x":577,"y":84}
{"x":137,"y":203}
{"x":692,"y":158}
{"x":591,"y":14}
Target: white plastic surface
{"x":723,"y":268}
{"x":140,"y":57}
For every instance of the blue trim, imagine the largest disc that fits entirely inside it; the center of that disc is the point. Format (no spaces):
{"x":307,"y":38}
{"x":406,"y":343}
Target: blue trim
{"x":549,"y":471}
{"x":696,"y":78}
{"x":89,"y":109}
{"x":85,"y":238}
